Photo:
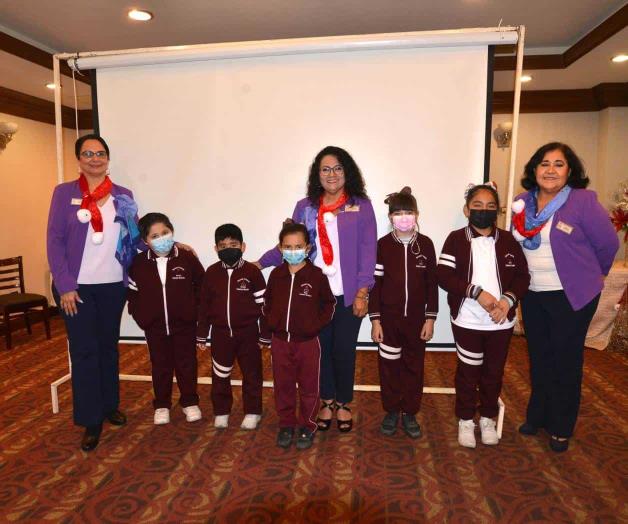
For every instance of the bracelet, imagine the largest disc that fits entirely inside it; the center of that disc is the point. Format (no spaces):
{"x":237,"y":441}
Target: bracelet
{"x":362,"y":297}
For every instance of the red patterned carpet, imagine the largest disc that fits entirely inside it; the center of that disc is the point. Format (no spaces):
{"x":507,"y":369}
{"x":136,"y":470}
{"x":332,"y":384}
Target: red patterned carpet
{"x":192,"y":473}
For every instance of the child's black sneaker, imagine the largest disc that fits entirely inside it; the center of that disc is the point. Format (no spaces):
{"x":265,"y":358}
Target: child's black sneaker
{"x":284,"y":437}
{"x":410,"y":426}
{"x":305,"y":438}
{"x":389,"y":424}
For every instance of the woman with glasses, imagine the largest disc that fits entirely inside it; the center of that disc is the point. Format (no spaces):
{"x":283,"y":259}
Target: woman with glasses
{"x":340,"y":220}
{"x":569,"y":243}
{"x":92,"y":237}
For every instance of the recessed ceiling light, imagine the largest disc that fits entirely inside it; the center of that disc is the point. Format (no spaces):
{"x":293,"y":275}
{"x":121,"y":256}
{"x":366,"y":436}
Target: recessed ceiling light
{"x":50,"y":85}
{"x":620,"y":58}
{"x":140,"y":15}
{"x":526,"y":78}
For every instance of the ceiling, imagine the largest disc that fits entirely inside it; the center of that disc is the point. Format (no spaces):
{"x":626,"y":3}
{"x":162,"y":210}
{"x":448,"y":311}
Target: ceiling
{"x":76,"y":25}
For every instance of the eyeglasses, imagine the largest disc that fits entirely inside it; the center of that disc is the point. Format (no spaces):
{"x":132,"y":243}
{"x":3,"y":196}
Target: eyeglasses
{"x":92,"y":154}
{"x":337,"y":170}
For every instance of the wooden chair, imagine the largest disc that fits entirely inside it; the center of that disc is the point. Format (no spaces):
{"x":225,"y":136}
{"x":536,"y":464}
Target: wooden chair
{"x":14,"y":299}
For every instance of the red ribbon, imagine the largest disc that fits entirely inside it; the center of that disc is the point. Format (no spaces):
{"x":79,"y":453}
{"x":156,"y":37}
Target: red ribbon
{"x":326,"y":249}
{"x":519,"y":221}
{"x":90,"y":200}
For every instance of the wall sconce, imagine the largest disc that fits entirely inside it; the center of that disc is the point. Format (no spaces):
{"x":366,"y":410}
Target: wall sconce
{"x":7,"y":130}
{"x":503,"y":134}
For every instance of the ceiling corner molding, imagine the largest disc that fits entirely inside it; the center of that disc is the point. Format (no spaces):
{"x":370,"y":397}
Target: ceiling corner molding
{"x":26,"y":51}
{"x":27,"y":106}
{"x":597,"y":98}
{"x":611,"y":26}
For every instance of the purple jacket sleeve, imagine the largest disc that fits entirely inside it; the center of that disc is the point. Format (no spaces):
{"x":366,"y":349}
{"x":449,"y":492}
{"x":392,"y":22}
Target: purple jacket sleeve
{"x":367,"y":248}
{"x":56,"y":245}
{"x":273,"y":257}
{"x":600,"y":231}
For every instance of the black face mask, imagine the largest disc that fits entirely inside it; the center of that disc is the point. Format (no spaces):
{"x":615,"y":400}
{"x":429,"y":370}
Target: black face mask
{"x":482,"y":218}
{"x":230,"y":255}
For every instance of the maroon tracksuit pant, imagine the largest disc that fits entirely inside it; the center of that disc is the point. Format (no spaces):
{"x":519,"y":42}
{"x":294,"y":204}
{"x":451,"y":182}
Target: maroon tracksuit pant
{"x":481,"y":360}
{"x":400,"y":362}
{"x":296,"y":363}
{"x":174,"y":353}
{"x":244,"y":347}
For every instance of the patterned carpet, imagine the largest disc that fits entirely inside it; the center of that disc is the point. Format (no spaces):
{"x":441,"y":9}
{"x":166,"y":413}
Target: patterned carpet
{"x":192,"y":473}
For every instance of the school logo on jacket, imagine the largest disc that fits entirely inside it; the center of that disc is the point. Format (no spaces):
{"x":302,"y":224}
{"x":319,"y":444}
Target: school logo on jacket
{"x":509,"y":260}
{"x":243,"y":284}
{"x":306,"y":290}
{"x":178,"y":273}
{"x":421,"y":261}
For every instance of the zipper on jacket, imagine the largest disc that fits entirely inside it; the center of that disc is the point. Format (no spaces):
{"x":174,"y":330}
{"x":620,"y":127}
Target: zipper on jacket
{"x":229,"y":272}
{"x":405,"y":260}
{"x":289,"y":304}
{"x":163,"y":289}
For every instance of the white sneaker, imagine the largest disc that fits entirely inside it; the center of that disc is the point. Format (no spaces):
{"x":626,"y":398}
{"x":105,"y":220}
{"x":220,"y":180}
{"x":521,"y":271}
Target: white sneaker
{"x":250,"y":421}
{"x":162,"y":416}
{"x":466,"y":433}
{"x":489,"y":433}
{"x":221,"y":421}
{"x":192,"y":413}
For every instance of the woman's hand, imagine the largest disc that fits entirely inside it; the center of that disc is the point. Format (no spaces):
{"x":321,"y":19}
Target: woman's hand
{"x":361,"y":302}
{"x":257,"y":265}
{"x":186,"y":247}
{"x":69,"y":303}
{"x":377,"y":333}
{"x":427,"y":332}
{"x":487,"y":301}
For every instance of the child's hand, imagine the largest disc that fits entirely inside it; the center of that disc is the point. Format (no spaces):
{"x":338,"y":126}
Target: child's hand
{"x":201,"y":347}
{"x":427,"y":332}
{"x":377,"y":333}
{"x":487,"y":301}
{"x":500,"y":313}
{"x":263,"y":346}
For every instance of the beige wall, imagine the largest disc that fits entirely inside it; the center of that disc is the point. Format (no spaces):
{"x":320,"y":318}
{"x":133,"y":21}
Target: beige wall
{"x":28,"y":174}
{"x":599,"y":139}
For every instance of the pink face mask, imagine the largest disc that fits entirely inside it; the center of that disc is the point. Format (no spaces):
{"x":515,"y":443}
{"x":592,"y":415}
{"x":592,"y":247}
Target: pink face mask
{"x":404,"y":223}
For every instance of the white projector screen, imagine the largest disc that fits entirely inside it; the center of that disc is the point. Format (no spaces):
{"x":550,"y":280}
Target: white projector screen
{"x":231,"y":140}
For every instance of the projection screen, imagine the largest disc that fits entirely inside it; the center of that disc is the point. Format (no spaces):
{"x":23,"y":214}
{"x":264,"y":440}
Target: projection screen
{"x":231,"y":139}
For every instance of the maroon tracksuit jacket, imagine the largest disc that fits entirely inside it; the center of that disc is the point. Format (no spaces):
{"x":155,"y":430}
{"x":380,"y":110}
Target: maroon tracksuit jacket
{"x":481,"y":354}
{"x":231,"y":303}
{"x":297,"y":306}
{"x":404,"y":296}
{"x":167,"y":314}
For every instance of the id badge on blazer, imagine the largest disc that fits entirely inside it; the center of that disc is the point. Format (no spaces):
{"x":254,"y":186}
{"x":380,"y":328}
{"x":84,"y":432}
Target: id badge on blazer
{"x":565,"y":228}
{"x":76,"y":202}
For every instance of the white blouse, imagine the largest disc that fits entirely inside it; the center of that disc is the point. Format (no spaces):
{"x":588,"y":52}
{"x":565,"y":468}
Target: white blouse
{"x":335,"y":280}
{"x":543,"y":274}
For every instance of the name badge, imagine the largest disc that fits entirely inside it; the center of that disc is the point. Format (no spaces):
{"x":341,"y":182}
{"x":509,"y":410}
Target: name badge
{"x":565,"y":228}
{"x":354,"y":209}
{"x":77,"y":201}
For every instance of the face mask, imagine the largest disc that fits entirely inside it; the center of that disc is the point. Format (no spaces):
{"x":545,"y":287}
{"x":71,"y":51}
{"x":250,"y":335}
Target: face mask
{"x":230,"y":255}
{"x":404,"y":223}
{"x":482,"y":218}
{"x":294,"y":257}
{"x":162,"y":245}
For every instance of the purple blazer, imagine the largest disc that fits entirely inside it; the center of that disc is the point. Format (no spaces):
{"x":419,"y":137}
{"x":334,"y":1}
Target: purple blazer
{"x":357,"y":236}
{"x":66,"y":235}
{"x":584,"y":244}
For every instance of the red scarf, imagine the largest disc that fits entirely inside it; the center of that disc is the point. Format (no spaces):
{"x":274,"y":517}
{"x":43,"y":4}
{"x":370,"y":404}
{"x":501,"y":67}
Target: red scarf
{"x":90,"y":200}
{"x":519,"y":222}
{"x":326,"y":249}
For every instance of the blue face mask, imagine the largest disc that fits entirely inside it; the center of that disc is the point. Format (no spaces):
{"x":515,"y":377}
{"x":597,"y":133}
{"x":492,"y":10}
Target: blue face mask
{"x":162,"y":245}
{"x":295,"y":256}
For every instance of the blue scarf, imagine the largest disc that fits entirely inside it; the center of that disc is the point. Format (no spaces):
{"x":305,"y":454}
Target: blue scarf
{"x":126,"y":211}
{"x":533,"y":220}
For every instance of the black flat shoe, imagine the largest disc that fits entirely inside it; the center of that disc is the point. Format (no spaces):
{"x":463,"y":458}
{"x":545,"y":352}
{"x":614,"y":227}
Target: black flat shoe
{"x":528,"y":429}
{"x":410,"y":426}
{"x":344,"y":426}
{"x":91,"y":438}
{"x":559,"y":446}
{"x":388,"y":427}
{"x":117,"y":418}
{"x":284,"y":437}
{"x":325,"y":423}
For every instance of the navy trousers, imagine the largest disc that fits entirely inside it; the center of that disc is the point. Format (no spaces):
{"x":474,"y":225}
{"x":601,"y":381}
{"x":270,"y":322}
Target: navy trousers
{"x":556,"y":335}
{"x":338,"y":340}
{"x":93,"y":334}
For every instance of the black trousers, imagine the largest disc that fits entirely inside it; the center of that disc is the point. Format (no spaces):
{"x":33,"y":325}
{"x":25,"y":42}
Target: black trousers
{"x":338,"y":340}
{"x":556,"y":335}
{"x":93,"y":334}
